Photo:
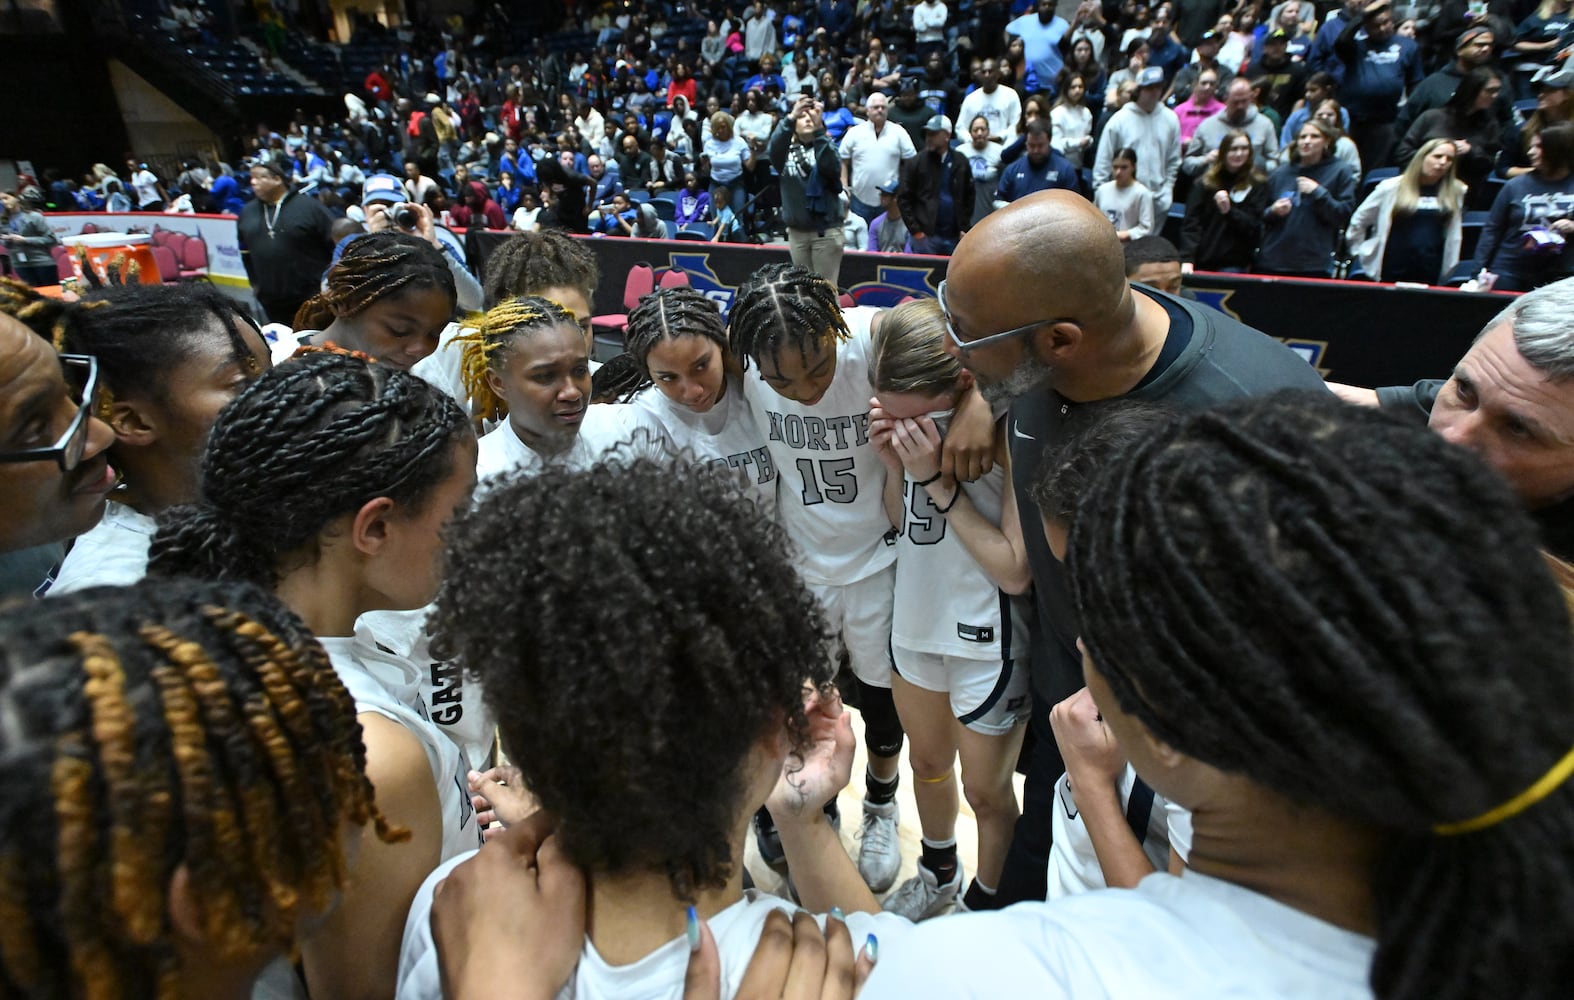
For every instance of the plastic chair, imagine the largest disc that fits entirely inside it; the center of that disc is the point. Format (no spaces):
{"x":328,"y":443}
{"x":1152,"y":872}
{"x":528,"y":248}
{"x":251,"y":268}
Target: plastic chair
{"x":194,"y":259}
{"x":674,"y":277}
{"x":64,"y":265}
{"x":168,"y":265}
{"x":641,"y":281}
{"x":671,"y":228}
{"x":697,"y":231}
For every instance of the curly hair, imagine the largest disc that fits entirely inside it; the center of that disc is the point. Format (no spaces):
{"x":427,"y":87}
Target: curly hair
{"x":652,"y":600}
{"x":372,"y":268}
{"x":165,"y":724}
{"x":665,"y":314}
{"x":308,"y":441}
{"x":783,"y":305}
{"x":530,"y":263}
{"x":1346,"y":609}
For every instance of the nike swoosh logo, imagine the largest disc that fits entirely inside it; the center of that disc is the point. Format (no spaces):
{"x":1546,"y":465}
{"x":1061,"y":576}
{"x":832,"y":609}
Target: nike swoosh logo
{"x":1018,"y":432}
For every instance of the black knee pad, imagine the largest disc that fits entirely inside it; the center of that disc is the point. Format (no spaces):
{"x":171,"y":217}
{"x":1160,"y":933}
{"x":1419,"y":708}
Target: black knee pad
{"x":882,"y":726}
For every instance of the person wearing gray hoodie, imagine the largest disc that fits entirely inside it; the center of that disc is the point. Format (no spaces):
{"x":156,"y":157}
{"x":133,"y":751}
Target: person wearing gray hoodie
{"x":1152,"y":130}
{"x":1238,"y":115}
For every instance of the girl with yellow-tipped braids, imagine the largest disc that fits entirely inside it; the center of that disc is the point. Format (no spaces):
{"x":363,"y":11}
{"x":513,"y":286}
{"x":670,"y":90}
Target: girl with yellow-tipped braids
{"x":528,"y":360}
{"x":180,"y":774}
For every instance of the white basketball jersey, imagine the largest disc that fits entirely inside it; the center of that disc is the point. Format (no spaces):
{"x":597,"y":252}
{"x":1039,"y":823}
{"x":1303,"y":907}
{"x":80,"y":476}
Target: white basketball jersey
{"x":453,"y":701}
{"x":382,"y":681}
{"x":945,"y":602}
{"x":830,"y":480}
{"x":728,"y":436}
{"x":604,"y":426}
{"x":1073,"y":863}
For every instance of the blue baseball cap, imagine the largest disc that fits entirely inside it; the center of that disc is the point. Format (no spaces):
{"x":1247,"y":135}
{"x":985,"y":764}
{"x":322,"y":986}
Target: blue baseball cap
{"x":382,"y":188}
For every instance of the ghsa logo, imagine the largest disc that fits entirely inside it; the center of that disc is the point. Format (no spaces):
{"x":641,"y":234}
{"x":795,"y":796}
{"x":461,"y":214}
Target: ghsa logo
{"x":893,"y":283}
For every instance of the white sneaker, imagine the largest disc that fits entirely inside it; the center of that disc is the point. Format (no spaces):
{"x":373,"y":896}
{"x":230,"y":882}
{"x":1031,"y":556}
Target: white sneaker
{"x":879,"y":854}
{"x":922,"y":896}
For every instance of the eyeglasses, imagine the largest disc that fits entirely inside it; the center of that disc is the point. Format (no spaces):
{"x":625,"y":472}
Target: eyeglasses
{"x":968,"y":346}
{"x":81,"y":374}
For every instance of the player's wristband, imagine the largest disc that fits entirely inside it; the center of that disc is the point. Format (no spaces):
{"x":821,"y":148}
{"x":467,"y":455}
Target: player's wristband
{"x":926,"y":482}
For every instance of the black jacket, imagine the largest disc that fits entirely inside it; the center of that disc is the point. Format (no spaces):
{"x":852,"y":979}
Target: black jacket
{"x":919,"y":198}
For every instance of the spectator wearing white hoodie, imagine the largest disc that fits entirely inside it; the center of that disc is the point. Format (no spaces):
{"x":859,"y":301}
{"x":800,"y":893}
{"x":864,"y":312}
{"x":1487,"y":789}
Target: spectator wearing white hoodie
{"x":1152,"y":130}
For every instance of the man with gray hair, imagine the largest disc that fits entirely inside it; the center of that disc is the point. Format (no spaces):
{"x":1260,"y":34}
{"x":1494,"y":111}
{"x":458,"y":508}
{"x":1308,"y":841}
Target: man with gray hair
{"x":1511,"y":401}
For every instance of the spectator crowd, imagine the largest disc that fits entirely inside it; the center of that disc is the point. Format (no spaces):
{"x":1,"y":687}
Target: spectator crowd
{"x":1422,"y":143}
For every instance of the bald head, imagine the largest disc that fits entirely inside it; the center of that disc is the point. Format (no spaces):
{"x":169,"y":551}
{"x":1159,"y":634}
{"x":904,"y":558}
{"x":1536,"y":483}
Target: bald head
{"x":1050,"y":254}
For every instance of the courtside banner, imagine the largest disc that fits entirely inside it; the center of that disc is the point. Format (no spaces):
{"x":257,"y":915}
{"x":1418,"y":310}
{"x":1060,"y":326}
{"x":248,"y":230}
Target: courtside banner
{"x":217,"y":232}
{"x":1351,"y":331}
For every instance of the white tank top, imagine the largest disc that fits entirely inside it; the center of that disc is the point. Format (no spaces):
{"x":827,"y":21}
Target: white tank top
{"x":945,"y":602}
{"x":384,"y":682}
{"x":830,"y":481}
{"x":728,"y":435}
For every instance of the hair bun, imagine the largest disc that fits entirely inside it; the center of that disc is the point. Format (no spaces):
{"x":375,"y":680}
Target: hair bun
{"x":199,"y":540}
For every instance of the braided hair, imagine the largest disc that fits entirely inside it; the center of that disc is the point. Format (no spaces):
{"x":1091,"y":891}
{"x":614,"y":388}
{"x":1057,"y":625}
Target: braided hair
{"x":171,"y":723}
{"x":310,"y":440}
{"x":784,"y":305}
{"x":372,"y":268}
{"x":141,"y":333}
{"x":53,"y":319}
{"x":665,"y":314}
{"x":533,"y":262}
{"x":697,"y":657}
{"x":485,"y":346}
{"x":1353,"y":613}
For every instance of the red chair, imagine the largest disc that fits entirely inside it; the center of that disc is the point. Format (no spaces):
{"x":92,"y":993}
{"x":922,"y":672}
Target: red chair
{"x":64,"y":265}
{"x":846,"y":301}
{"x":168,"y":265}
{"x":674,"y":277}
{"x":194,"y":259}
{"x":89,"y":227}
{"x":641,"y":281}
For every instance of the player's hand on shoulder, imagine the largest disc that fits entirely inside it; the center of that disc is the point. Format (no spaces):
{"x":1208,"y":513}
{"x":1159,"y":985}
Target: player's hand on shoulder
{"x":510,"y":919}
{"x":794,"y":958}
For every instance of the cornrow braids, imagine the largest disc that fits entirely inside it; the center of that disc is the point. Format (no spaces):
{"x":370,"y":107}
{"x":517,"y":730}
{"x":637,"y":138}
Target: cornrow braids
{"x":1095,"y":435}
{"x":140,"y":333}
{"x":53,"y":319}
{"x":485,"y":346}
{"x":783,"y":305}
{"x":1346,"y":609}
{"x":372,"y":268}
{"x":667,"y":314}
{"x":308,"y":441}
{"x":530,"y":263}
{"x":145,"y":724}
{"x":701,"y":656}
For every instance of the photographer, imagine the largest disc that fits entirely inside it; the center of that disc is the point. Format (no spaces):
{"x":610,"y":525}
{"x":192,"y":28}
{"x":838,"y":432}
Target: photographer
{"x":811,"y":179}
{"x":383,"y":202}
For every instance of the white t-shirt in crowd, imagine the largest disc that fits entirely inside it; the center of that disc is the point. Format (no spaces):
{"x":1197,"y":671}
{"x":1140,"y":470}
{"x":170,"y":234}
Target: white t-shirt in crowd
{"x":1177,"y":938}
{"x":113,"y":554}
{"x":604,"y":426}
{"x":146,"y":185}
{"x":727,"y":435}
{"x":830,"y":481}
{"x":1074,"y":864}
{"x":873,"y":159}
{"x":657,"y":976}
{"x":1002,"y":109}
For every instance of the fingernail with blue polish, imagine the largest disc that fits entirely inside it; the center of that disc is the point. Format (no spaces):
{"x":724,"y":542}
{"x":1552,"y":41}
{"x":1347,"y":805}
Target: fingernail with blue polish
{"x":872,"y":948}
{"x":836,"y":911}
{"x":693,"y":930}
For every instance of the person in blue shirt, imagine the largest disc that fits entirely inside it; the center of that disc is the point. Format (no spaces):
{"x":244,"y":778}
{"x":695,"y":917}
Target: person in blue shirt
{"x":835,"y":16}
{"x":1379,"y":68}
{"x":766,"y":76}
{"x":1320,"y":57}
{"x":837,"y":118}
{"x":1163,"y":50}
{"x":1041,"y":32}
{"x":1040,"y":170}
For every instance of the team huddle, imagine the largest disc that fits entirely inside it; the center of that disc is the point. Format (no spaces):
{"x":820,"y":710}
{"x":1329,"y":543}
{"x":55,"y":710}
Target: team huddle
{"x":1265,"y":642}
